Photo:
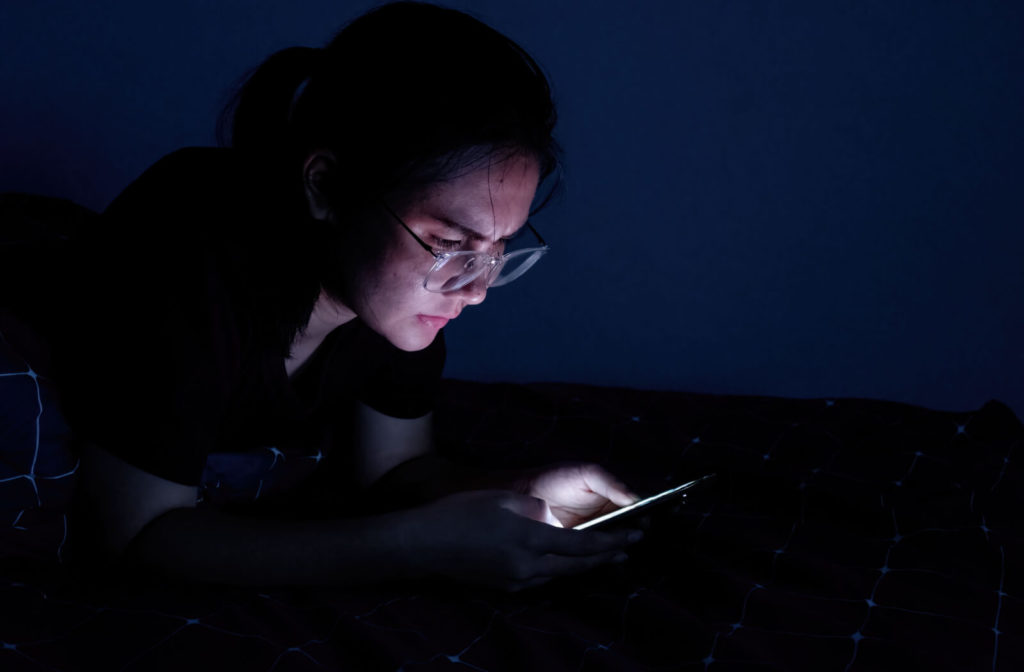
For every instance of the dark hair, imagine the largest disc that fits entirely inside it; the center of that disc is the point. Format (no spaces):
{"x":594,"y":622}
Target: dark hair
{"x":405,"y":95}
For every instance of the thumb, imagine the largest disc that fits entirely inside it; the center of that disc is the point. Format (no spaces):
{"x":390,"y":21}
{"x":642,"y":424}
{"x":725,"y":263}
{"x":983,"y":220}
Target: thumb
{"x":606,"y":485}
{"x":533,"y":508}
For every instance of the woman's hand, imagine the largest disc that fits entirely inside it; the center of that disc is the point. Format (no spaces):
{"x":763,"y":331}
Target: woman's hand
{"x":505,"y":540}
{"x":577,"y":492}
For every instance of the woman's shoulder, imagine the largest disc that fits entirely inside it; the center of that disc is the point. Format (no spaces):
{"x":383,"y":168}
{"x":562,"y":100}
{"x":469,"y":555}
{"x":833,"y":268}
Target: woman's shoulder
{"x":170,"y":230}
{"x":195,"y":156}
{"x":205,"y":220}
{"x":193,"y":200}
{"x":191,"y":176}
{"x":193,"y":164}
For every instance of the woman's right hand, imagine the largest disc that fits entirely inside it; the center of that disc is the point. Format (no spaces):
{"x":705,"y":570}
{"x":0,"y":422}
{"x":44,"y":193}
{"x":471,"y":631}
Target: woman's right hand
{"x":504,"y":540}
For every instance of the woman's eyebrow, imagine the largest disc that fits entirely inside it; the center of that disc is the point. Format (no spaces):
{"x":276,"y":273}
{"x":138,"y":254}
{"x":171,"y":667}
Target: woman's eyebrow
{"x":472,"y":233}
{"x":465,"y":230}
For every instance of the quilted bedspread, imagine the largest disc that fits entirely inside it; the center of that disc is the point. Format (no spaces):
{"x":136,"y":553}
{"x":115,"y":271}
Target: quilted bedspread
{"x":840,"y":534}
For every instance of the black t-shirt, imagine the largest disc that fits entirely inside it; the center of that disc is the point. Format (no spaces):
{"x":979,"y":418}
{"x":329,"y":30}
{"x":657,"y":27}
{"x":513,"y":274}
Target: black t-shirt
{"x":173,"y":348}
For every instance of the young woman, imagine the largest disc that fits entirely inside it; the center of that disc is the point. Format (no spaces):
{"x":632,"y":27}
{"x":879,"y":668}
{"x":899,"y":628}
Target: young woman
{"x":286,"y":298}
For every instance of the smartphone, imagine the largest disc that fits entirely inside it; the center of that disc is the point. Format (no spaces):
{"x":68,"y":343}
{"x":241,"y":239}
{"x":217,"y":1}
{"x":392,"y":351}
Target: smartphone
{"x":644,"y":505}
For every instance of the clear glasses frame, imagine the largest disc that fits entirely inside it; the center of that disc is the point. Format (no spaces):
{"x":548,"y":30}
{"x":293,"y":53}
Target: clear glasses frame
{"x":454,"y":270}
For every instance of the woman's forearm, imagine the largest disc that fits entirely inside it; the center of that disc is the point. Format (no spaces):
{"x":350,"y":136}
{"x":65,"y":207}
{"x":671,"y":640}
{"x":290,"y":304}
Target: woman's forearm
{"x":492,"y":538}
{"x":431,"y":476}
{"x":201,"y":545}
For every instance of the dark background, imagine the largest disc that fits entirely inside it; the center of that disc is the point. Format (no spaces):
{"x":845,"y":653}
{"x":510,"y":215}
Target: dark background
{"x":782,"y":198}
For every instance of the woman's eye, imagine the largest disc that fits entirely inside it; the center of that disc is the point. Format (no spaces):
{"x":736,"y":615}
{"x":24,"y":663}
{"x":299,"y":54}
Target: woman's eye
{"x":446,"y":244}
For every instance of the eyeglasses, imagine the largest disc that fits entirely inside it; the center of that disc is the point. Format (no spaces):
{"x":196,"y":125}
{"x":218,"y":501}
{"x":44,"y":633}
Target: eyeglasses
{"x":455,"y":270}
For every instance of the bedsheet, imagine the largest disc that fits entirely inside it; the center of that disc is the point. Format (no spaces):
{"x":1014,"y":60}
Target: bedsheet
{"x":840,"y":534}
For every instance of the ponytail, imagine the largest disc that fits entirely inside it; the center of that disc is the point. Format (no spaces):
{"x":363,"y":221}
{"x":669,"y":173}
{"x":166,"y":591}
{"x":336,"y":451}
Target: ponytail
{"x":406,"y":95}
{"x":256,"y":120}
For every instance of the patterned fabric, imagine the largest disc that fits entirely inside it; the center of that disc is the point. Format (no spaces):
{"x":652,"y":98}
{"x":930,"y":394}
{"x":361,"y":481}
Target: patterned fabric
{"x":37,"y":467}
{"x":841,"y":534}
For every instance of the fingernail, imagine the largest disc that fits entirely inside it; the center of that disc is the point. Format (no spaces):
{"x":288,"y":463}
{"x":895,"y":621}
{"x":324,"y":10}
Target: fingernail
{"x":635,"y":536}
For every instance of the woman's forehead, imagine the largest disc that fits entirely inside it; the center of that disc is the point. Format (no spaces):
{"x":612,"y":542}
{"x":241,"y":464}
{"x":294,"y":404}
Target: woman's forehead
{"x":495,"y":195}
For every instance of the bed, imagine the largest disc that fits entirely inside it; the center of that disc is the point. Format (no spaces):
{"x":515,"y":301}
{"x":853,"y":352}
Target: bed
{"x":840,"y":534}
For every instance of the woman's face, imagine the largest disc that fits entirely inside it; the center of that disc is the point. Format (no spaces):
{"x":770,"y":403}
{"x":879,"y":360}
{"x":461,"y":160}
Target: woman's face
{"x":384,"y":267}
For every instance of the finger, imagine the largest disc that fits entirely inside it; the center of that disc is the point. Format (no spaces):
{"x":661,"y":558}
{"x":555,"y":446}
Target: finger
{"x":533,"y":508}
{"x":608,"y":486}
{"x":517,"y":586}
{"x":551,"y":565}
{"x":581,"y":543}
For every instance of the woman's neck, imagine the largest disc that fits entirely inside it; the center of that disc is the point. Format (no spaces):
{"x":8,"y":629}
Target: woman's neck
{"x":327,"y":316}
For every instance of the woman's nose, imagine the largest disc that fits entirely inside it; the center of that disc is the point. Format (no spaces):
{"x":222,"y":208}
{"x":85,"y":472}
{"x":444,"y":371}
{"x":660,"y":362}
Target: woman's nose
{"x":476,"y":291}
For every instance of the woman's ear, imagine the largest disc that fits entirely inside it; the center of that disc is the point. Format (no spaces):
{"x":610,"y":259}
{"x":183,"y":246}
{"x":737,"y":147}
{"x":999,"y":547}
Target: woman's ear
{"x":317,"y":172}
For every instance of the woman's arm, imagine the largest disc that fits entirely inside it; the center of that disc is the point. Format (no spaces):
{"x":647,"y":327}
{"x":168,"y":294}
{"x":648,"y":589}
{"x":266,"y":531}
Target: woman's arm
{"x":382,"y":442}
{"x":124,"y":514}
{"x":485,"y":537}
{"x":398,"y":462}
{"x":395,"y":463}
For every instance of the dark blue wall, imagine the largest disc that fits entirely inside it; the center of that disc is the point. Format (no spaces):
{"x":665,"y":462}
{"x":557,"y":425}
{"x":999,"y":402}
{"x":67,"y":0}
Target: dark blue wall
{"x":788,"y":198}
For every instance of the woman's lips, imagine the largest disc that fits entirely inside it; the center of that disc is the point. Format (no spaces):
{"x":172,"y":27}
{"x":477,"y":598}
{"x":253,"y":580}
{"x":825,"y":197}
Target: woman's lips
{"x":433,"y":321}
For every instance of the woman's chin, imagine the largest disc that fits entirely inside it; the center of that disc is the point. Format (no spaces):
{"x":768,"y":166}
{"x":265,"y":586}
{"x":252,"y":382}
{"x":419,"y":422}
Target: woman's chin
{"x":412,"y":340}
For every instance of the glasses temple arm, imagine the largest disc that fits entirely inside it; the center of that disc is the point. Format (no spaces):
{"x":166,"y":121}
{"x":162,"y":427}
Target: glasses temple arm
{"x":539,"y":238}
{"x":405,"y":226}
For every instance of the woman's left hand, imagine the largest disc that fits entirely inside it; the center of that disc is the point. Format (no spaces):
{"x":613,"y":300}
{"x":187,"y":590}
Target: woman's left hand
{"x":577,"y":492}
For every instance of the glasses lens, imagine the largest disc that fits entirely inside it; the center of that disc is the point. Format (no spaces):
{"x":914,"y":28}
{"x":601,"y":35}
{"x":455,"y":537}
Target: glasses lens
{"x":461,"y":268}
{"x":516,"y":263}
{"x":456,"y":271}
